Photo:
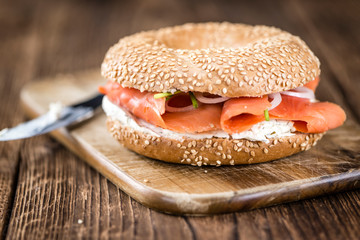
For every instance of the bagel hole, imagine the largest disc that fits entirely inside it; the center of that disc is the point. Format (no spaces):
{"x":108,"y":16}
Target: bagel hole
{"x":202,"y":38}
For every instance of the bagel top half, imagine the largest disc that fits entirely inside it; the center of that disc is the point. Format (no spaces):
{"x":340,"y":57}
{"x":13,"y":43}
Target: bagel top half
{"x":225,"y":59}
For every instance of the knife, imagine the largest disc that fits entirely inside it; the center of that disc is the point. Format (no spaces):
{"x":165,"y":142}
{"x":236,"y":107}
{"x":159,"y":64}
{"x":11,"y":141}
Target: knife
{"x":53,"y":120}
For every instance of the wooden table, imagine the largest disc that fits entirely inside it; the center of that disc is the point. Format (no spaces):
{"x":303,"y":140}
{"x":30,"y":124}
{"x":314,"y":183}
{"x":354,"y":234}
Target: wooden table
{"x":46,"y":192}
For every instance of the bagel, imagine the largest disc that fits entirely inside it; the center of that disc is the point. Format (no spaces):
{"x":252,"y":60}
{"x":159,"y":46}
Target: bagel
{"x":209,"y":151}
{"x":215,"y":94}
{"x":220,"y":58}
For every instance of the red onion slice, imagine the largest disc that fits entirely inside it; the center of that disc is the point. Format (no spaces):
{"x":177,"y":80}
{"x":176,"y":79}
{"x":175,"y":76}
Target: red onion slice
{"x":276,"y":100}
{"x":178,"y":109}
{"x":306,"y":90}
{"x":300,"y":92}
{"x":208,"y":100}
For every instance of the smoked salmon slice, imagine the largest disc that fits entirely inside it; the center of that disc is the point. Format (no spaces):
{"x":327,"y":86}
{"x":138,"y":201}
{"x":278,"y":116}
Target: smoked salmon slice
{"x":313,"y":84}
{"x":141,"y":104}
{"x":308,"y":117}
{"x":240,"y":114}
{"x":145,"y":106}
{"x":203,"y":119}
{"x":234,"y":116}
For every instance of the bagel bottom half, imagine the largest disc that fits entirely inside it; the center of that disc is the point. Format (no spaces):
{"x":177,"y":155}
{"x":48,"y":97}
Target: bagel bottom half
{"x":210,"y":151}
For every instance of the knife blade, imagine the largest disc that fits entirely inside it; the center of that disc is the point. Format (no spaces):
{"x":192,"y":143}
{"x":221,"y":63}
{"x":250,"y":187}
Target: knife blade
{"x":46,"y":123}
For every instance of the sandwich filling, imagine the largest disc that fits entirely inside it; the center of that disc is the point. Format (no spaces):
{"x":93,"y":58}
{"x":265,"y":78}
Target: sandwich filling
{"x":200,"y":113}
{"x":259,"y":132}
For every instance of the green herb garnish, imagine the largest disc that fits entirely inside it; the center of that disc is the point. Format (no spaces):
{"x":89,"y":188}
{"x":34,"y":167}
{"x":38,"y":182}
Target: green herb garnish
{"x":266,"y":113}
{"x":165,"y":94}
{"x":193,"y":100}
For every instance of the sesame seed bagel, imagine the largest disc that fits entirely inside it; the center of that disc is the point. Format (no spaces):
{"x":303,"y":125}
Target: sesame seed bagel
{"x":210,"y":151}
{"x":226,"y":59}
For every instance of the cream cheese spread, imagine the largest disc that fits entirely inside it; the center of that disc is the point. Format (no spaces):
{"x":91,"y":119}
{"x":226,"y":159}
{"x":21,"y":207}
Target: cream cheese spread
{"x":2,"y":132}
{"x":54,"y":114}
{"x":55,"y":109}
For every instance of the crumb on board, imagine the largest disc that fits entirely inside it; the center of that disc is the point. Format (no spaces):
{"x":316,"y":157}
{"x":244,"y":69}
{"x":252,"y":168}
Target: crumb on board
{"x":146,"y":180}
{"x":80,"y":221}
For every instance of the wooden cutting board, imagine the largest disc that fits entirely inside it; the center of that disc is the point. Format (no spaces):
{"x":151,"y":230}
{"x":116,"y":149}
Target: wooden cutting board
{"x":332,"y":166}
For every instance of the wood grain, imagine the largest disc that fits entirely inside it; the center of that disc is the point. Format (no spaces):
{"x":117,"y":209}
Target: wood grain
{"x":16,"y":68}
{"x":69,"y":35}
{"x":332,"y":166}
